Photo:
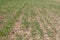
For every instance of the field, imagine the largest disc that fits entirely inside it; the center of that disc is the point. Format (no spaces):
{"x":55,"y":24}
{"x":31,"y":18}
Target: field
{"x":29,"y":19}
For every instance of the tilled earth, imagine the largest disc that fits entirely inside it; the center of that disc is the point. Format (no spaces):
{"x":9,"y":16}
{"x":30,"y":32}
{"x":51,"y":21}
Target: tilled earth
{"x":39,"y":20}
